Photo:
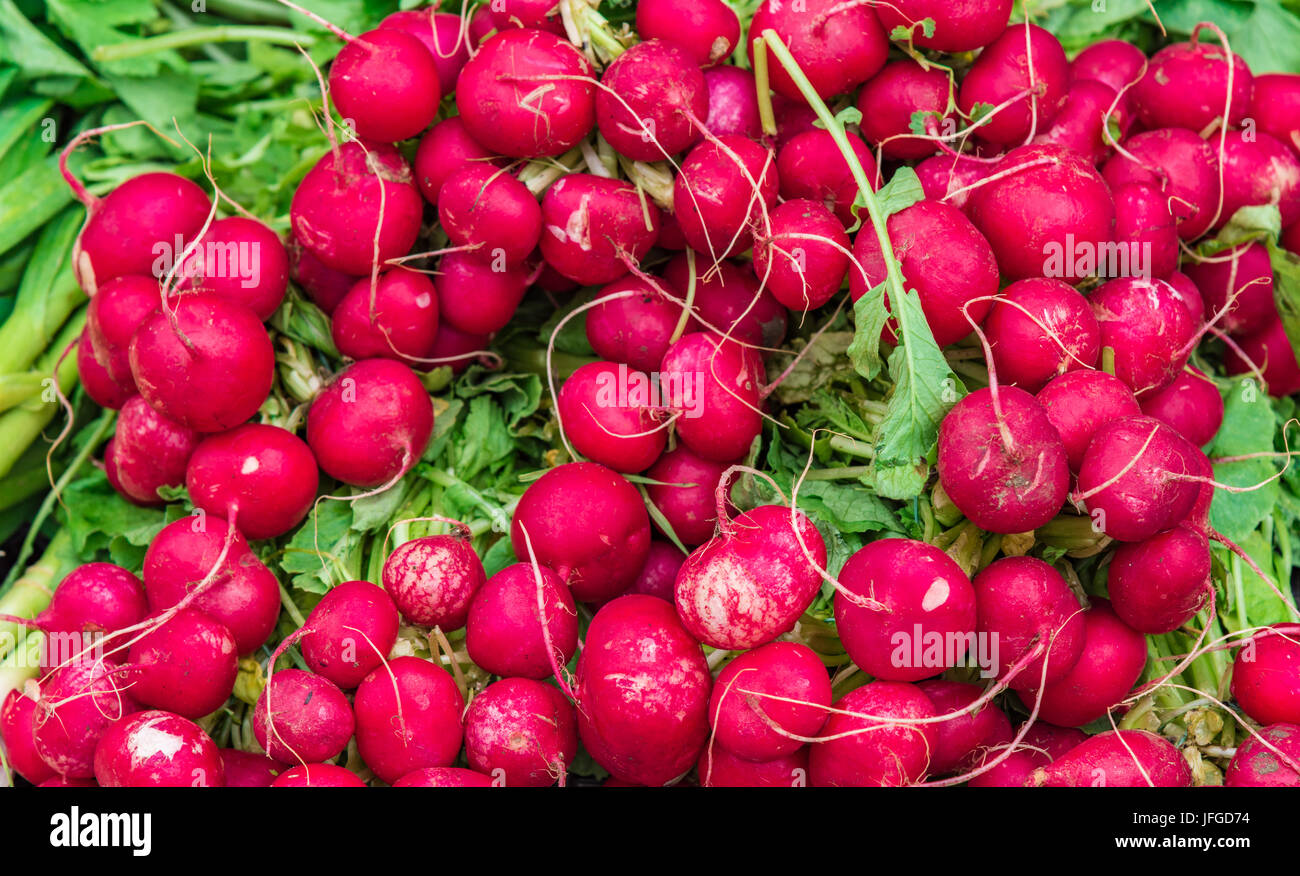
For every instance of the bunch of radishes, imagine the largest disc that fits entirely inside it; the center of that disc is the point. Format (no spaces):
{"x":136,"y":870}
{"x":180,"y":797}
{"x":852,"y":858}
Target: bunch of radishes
{"x":709,"y":214}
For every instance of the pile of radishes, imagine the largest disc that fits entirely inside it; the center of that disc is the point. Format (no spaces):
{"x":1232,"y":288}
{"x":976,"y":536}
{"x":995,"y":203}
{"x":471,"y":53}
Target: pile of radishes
{"x":708,"y":216}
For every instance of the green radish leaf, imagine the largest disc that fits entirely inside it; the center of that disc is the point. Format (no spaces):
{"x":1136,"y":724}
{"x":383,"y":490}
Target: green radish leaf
{"x":1249,"y":426}
{"x":1286,"y":292}
{"x":904,"y":34}
{"x":26,"y":47}
{"x":318,"y":555}
{"x":918,"y":121}
{"x":924,"y":390}
{"x":1248,"y":224}
{"x":902,"y":191}
{"x":869,"y":315}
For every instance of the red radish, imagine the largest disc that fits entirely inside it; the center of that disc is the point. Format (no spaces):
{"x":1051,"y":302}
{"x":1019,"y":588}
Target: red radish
{"x":115,"y":312}
{"x":186,"y":666}
{"x":767,"y":695}
{"x":652,"y":731}
{"x":610,"y":415}
{"x":1024,"y":68}
{"x":485,"y":208}
{"x":1078,"y":403}
{"x":691,"y":511}
{"x":1181,"y":165}
{"x":1039,"y":329}
{"x":1255,"y":766}
{"x":1148,"y":327}
{"x":1259,"y":169}
{"x":244,"y":769}
{"x":708,"y":30}
{"x":635,"y":330}
{"x":948,"y":178}
{"x":586,"y":524}
{"x":79,"y":702}
{"x":1113,"y":62}
{"x":1241,"y":280}
{"x":337,"y":214}
{"x":209,"y":373}
{"x":718,"y":394}
{"x":659,"y":574}
{"x":348,"y":633}
{"x":753,"y":582}
{"x":1086,"y":123}
{"x":318,"y":775}
{"x":1003,"y":462}
{"x":1191,"y":406}
{"x":1186,"y":86}
{"x":95,"y":378}
{"x":240,"y":259}
{"x":261,"y":476}
{"x":540,"y":14}
{"x":1158,"y":585}
{"x":518,"y":77}
{"x":158,"y":750}
{"x":1189,"y":296}
{"x":1118,"y":759}
{"x":670,"y":235}
{"x":1145,"y":230}
{"x":443,"y":150}
{"x":1199,"y":518}
{"x":126,"y":229}
{"x":892,"y":97}
{"x":1042,"y":744}
{"x":960,"y":26}
{"x":810,"y":165}
{"x":440,"y":32}
{"x":838,"y":46}
{"x":963,"y":740}
{"x":1266,"y":677}
{"x":476,"y":296}
{"x":408,"y":718}
{"x":1050,"y":215}
{"x":148,"y":451}
{"x":242,"y":593}
{"x":481,"y":26}
{"x":65,"y":782}
{"x":1028,"y":607}
{"x":1290,"y":240}
{"x":654,"y":97}
{"x":803,"y":256}
{"x":948,"y":277}
{"x":325,"y":286}
{"x":1270,"y":350}
{"x":371,"y":423}
{"x":17,"y":717}
{"x":386,"y":84}
{"x":302,"y":717}
{"x":90,"y":601}
{"x":889,"y":754}
{"x":454,"y":348}
{"x":731,"y":300}
{"x":924,"y":607}
{"x":592,"y":224}
{"x":522,"y":731}
{"x":1275,"y":106}
{"x":443,"y":777}
{"x":794,"y":117}
{"x":1113,"y":657}
{"x":719,"y":768}
{"x":1135,"y":478}
{"x":503,"y":633}
{"x":433,"y":579}
{"x":722,"y":193}
{"x":395,"y":317}
{"x":733,"y":108}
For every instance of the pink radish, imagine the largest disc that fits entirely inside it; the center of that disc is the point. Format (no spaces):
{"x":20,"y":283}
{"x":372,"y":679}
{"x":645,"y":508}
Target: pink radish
{"x":443,"y":150}
{"x":691,"y":510}
{"x":1255,"y":766}
{"x":751,"y":583}
{"x":318,"y":775}
{"x":962,"y":740}
{"x":517,"y":77}
{"x":324,"y":285}
{"x":395,"y":317}
{"x":504,"y":633}
{"x":443,"y":777}
{"x":707,"y":29}
{"x":1275,"y":106}
{"x":804,"y":254}
{"x":336,"y":211}
{"x":731,"y":300}
{"x":1158,"y":585}
{"x":148,"y":451}
{"x":659,"y":574}
{"x":1086,"y":123}
{"x":433,"y":579}
{"x":79,"y":702}
{"x":454,"y":348}
{"x":1023,"y":75}
{"x":1078,"y":403}
{"x":733,"y":108}
{"x":261,"y":476}
{"x":949,"y":178}
{"x":1186,"y":86}
{"x":1270,"y":350}
{"x":838,"y":46}
{"x":1149,"y":329}
{"x":408,"y":718}
{"x":960,"y":26}
{"x":1191,"y":406}
{"x":1178,"y":163}
{"x":1240,"y":280}
{"x":917,"y":596}
{"x":240,"y":259}
{"x":719,"y":418}
{"x":768,"y":697}
{"x":440,"y":32}
{"x":892,"y":97}
{"x":586,"y":524}
{"x":371,"y":424}
{"x":17,"y":717}
{"x":1118,"y":759}
{"x":1027,"y":605}
{"x":1039,"y":329}
{"x":1266,"y":677}
{"x":715,"y":219}
{"x":593,"y":226}
{"x":654,"y":95}
{"x":485,"y":208}
{"x":348,"y":633}
{"x":187,"y":666}
{"x":1112,"y":62}
{"x":521,"y":731}
{"x":652,"y":731}
{"x":889,"y":754}
{"x":635,"y":330}
{"x":607,"y":412}
{"x":719,"y":768}
{"x":244,"y":769}
{"x":112,"y":317}
{"x":1146,"y":230}
{"x":302,"y":717}
{"x":1259,"y":169}
{"x":477,"y":296}
{"x":386,"y":83}
{"x":810,"y":166}
{"x":157,"y":749}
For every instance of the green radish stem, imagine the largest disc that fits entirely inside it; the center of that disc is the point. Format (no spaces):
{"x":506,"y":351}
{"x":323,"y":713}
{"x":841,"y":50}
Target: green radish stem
{"x":21,"y":426}
{"x":30,"y":594}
